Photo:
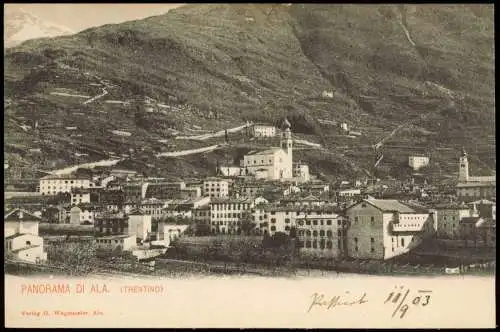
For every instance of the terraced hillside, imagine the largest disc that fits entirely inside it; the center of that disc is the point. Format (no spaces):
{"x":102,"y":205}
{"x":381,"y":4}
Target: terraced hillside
{"x":127,"y":89}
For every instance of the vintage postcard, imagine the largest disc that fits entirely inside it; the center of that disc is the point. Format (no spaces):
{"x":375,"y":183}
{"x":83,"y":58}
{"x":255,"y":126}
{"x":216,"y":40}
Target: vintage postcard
{"x":249,"y":165}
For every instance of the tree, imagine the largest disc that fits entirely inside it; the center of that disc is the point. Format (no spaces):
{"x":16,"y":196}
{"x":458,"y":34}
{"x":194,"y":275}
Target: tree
{"x":247,"y":223}
{"x":75,"y":257}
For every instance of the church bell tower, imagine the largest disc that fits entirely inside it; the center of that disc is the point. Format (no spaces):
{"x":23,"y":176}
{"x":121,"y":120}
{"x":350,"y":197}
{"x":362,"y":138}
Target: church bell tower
{"x":286,"y":137}
{"x":463,"y":171}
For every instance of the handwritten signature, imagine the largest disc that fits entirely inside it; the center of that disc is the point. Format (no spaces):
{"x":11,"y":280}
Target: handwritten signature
{"x":320,"y":300}
{"x":401,"y":298}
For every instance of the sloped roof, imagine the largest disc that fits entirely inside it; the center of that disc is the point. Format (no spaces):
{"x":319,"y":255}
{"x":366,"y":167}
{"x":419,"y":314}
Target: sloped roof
{"x":390,"y":205}
{"x":268,"y":151}
{"x":20,"y":215}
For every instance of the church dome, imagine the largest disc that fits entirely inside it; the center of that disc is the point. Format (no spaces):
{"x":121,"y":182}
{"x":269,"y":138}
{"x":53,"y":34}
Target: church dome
{"x":286,"y":124}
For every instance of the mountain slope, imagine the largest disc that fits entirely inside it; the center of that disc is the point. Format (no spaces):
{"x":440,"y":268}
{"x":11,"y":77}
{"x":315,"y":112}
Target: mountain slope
{"x":426,"y":69}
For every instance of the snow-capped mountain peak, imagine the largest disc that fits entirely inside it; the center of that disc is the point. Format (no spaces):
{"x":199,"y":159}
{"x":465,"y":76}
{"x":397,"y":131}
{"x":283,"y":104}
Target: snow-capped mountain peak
{"x":20,"y":26}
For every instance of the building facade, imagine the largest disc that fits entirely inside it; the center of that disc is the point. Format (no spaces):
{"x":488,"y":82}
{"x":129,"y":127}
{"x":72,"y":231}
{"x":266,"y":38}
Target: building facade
{"x":107,"y":223}
{"x":418,"y":162}
{"x":382,"y":229}
{"x":139,"y":224}
{"x":55,"y":184}
{"x":260,"y":130}
{"x":448,"y":218}
{"x":321,"y":233}
{"x":215,"y":187}
{"x":116,"y":242}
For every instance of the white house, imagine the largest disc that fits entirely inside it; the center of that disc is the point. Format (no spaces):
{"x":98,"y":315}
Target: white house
{"x":55,"y":184}
{"x":26,"y":247}
{"x":116,"y":242}
{"x":230,"y":170}
{"x":80,"y":196}
{"x":19,"y":221}
{"x":215,"y":187}
{"x":301,"y":172}
{"x":260,"y":130}
{"x":418,"y":162}
{"x":82,"y":214}
{"x":139,"y":224}
{"x":21,"y":236}
{"x":226,"y":215}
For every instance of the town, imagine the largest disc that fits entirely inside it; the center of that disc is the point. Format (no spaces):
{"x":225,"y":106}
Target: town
{"x":116,"y":216}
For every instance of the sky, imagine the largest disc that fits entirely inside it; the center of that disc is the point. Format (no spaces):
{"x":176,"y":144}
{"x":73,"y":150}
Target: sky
{"x":81,"y":16}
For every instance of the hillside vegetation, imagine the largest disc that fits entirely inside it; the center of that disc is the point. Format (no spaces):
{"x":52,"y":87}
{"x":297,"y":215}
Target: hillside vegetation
{"x":429,"y":67}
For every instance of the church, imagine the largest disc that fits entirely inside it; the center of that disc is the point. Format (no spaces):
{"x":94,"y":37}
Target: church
{"x":470,"y":188}
{"x":274,"y":163}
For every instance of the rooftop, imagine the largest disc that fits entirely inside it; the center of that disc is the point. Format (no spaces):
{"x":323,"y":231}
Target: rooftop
{"x":476,"y":184}
{"x":66,"y":177}
{"x":268,"y":151}
{"x":231,"y":200}
{"x":389,"y":205}
{"x":114,"y":237}
{"x":20,"y":215}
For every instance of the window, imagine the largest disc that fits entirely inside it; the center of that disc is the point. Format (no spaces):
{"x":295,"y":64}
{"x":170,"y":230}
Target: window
{"x":321,"y":233}
{"x":308,"y":222}
{"x":356,"y":240}
{"x":315,"y":244}
{"x":273,"y":220}
{"x":315,"y":222}
{"x":372,"y":240}
{"x":372,"y":249}
{"x":301,"y":222}
{"x":273,"y":228}
{"x":329,"y":233}
{"x":308,"y":244}
{"x":356,"y":219}
{"x":315,"y":233}
{"x":322,"y":244}
{"x":287,"y":221}
{"x":308,"y":233}
{"x":402,"y":242}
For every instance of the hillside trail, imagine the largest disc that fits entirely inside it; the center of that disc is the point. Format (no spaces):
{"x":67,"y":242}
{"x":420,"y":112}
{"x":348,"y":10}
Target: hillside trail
{"x":220,"y":133}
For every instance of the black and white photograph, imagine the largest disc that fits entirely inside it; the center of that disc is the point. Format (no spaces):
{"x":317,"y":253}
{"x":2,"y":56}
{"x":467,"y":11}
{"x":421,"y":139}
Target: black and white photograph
{"x":294,"y":165}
